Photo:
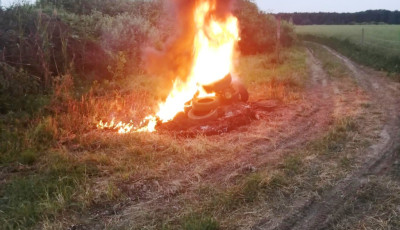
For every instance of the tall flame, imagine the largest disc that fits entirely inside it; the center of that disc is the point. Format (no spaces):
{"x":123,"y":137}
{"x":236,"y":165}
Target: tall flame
{"x":214,"y":45}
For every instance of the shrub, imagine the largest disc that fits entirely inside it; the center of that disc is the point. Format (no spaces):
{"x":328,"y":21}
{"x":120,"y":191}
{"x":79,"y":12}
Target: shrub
{"x":126,"y":33}
{"x":288,"y":35}
{"x":258,"y":30}
{"x":44,"y":133}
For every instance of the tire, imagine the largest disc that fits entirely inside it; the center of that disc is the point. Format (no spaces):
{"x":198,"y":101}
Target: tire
{"x":230,"y":96}
{"x":205,"y":104}
{"x":187,"y":107}
{"x":243,"y":93}
{"x":219,"y":85}
{"x":203,"y":117}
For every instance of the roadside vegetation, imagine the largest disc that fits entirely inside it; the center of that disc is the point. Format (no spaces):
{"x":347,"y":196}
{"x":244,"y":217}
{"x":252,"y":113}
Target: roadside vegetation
{"x":377,"y":46}
{"x":65,"y":65}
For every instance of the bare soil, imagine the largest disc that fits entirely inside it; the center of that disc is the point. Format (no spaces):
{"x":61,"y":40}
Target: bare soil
{"x":378,"y":159}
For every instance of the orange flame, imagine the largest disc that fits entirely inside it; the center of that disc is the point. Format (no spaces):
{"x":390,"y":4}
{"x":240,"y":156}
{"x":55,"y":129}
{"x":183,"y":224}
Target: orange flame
{"x":213,"y":51}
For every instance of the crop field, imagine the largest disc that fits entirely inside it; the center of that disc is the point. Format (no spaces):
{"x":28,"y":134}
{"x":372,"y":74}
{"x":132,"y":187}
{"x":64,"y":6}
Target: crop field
{"x":374,"y":45}
{"x":383,"y":37}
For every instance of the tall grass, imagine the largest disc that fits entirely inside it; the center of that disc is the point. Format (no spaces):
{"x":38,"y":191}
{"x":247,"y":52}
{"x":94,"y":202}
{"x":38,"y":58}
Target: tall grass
{"x":64,"y":66}
{"x":379,"y":49}
{"x":383,"y":37}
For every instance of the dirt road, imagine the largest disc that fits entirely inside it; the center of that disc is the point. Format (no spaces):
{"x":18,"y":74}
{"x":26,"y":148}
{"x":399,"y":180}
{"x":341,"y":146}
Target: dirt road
{"x":297,"y":167}
{"x":377,"y":160}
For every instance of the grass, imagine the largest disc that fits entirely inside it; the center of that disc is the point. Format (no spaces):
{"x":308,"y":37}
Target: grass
{"x":275,"y":187}
{"x":332,"y":66}
{"x":267,"y":78}
{"x":55,"y":164}
{"x":374,"y":207}
{"x":381,"y":47}
{"x":27,"y":198}
{"x":200,"y":223}
{"x":59,"y":170}
{"x":383,"y":37}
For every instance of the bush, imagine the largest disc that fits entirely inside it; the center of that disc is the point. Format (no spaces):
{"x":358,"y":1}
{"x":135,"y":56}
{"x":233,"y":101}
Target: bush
{"x":288,"y":35}
{"x":258,"y":30}
{"x":126,"y":33}
{"x":34,"y":41}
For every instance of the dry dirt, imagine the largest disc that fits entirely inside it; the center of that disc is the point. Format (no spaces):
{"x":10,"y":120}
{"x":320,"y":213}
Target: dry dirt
{"x":378,"y":158}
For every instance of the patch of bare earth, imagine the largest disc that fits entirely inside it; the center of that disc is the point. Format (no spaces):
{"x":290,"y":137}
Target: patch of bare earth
{"x":363,"y":198}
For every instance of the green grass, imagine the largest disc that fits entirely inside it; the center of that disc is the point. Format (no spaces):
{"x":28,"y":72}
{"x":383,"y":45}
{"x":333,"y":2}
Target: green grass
{"x":26,"y":199}
{"x":385,"y":37}
{"x":381,"y":47}
{"x":283,"y":79}
{"x":196,"y":222}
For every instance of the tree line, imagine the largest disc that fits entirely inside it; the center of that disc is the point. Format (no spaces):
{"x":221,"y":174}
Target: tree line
{"x":364,"y":17}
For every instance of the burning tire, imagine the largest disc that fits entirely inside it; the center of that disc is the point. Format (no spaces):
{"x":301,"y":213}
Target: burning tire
{"x":188,"y":107}
{"x":203,"y":116}
{"x":243,"y":94}
{"x":230,"y":96}
{"x":205,"y":104}
{"x":219,"y":85}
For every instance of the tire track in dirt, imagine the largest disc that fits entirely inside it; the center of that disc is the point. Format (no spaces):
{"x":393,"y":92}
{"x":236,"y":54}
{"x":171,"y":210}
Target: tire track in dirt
{"x":320,"y":108}
{"x":294,"y":125}
{"x":379,"y":158}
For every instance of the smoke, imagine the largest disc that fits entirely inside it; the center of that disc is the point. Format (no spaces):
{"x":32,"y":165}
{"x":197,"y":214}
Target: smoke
{"x":176,"y":58}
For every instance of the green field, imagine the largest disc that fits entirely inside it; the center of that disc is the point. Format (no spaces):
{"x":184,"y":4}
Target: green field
{"x":374,"y":45}
{"x":385,"y":37}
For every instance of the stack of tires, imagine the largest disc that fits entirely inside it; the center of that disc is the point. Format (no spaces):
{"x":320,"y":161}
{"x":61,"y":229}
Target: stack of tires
{"x":227,"y":92}
{"x":204,"y":109}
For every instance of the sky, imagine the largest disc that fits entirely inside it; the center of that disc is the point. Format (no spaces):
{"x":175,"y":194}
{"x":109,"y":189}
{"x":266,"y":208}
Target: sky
{"x":288,"y":6}
{"x":6,"y":3}
{"x":274,"y":6}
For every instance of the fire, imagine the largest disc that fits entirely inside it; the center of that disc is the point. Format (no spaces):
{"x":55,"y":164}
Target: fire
{"x":213,"y":51}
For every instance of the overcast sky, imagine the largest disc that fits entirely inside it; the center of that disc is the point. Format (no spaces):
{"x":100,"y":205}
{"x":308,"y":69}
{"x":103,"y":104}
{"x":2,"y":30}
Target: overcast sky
{"x":6,"y":3}
{"x":274,"y":6}
{"x":277,"y":6}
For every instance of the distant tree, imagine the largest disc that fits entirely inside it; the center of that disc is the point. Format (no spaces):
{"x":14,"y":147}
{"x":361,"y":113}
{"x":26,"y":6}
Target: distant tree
{"x":369,"y":16}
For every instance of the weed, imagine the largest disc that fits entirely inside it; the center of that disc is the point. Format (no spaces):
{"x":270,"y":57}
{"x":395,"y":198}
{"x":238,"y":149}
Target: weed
{"x":45,"y":133}
{"x":369,"y":56}
{"x":292,"y":164}
{"x":375,"y":206}
{"x":335,"y":140}
{"x":112,"y":191}
{"x":274,"y":81}
{"x":277,"y":181}
{"x":28,"y":157}
{"x":345,"y":162}
{"x":26,"y":200}
{"x":199,"y":222}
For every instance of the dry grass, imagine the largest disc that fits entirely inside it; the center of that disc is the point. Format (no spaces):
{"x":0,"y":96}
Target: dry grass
{"x":72,"y":167}
{"x":268,"y":79}
{"x":158,"y":181}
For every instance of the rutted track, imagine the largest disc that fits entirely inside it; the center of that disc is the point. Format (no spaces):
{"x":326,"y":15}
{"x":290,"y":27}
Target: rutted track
{"x":264,"y":143}
{"x":379,"y":157}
